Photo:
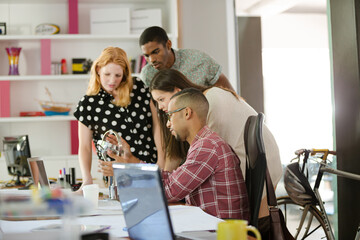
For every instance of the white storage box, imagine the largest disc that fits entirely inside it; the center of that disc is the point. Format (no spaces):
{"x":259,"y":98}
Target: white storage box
{"x":144,"y":18}
{"x":110,"y":21}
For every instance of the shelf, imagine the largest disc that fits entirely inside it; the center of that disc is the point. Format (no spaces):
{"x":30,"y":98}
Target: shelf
{"x":69,"y":37}
{"x":63,"y":157}
{"x":36,"y":119}
{"x":73,"y":37}
{"x":50,"y":77}
{"x":45,"y":77}
{"x":80,"y":1}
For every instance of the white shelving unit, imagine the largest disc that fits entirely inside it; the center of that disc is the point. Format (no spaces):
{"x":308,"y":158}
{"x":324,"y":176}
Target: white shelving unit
{"x":50,"y":136}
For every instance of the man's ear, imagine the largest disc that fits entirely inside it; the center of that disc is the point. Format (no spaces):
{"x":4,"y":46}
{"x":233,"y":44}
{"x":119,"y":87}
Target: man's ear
{"x":168,"y":44}
{"x":188,"y":113}
{"x":176,"y":89}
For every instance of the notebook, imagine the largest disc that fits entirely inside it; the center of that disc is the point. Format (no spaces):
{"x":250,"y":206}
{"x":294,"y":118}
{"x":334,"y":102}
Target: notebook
{"x":38,"y":172}
{"x":143,"y":201}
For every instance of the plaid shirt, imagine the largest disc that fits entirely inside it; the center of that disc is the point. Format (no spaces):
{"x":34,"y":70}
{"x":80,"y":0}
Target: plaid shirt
{"x":210,"y":178}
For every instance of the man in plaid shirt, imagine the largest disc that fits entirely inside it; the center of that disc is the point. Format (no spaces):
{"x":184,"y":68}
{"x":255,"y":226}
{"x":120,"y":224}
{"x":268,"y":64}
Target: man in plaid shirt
{"x":211,"y":177}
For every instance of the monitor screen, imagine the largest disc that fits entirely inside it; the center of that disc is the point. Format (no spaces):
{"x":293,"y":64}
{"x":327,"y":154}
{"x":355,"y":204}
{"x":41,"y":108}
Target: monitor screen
{"x":17,"y":150}
{"x":38,"y":172}
{"x":143,"y":201}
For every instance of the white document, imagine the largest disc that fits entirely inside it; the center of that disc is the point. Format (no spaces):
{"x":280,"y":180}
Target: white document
{"x":189,"y":218}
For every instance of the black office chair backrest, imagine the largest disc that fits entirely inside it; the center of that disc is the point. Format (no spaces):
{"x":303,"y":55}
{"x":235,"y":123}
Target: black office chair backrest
{"x":255,"y":164}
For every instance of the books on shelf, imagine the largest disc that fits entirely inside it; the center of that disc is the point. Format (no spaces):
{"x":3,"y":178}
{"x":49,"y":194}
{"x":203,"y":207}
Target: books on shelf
{"x":137,"y":63}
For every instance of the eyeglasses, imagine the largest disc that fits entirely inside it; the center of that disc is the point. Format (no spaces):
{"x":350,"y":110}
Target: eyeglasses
{"x":168,"y":114}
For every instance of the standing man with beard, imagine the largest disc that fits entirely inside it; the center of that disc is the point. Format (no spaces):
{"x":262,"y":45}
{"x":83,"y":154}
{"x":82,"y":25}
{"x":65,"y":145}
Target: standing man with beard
{"x":194,"y":64}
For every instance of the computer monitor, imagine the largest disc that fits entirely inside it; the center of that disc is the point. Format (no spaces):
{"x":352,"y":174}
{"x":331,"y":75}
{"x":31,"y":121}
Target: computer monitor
{"x":17,"y":150}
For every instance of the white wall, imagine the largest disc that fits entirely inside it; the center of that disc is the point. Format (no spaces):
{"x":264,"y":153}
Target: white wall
{"x":209,"y":25}
{"x":297,"y":83}
{"x":295,"y":31}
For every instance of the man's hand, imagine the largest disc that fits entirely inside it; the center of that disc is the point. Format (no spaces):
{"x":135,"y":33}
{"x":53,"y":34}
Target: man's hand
{"x":105,"y":168}
{"x":126,"y":157}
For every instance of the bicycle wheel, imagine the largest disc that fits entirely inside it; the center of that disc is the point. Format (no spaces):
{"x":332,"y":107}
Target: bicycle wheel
{"x":313,"y":226}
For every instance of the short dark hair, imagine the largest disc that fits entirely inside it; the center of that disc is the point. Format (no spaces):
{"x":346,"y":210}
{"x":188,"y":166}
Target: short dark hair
{"x":195,"y":99}
{"x":153,"y":34}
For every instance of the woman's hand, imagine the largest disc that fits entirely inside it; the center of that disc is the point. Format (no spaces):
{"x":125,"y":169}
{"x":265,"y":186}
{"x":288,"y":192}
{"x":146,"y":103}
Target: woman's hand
{"x":85,"y":182}
{"x":105,"y":168}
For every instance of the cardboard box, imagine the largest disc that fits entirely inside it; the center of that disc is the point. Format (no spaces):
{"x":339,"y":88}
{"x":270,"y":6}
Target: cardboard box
{"x":110,"y":21}
{"x":144,"y":18}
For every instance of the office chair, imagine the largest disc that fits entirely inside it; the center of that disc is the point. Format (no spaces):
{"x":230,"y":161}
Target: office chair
{"x":255,"y":164}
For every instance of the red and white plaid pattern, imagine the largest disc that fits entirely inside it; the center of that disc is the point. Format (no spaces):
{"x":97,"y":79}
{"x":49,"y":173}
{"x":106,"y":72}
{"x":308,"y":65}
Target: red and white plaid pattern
{"x":210,"y":178}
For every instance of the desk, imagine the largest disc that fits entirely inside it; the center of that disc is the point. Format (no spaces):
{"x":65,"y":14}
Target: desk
{"x":184,"y":218}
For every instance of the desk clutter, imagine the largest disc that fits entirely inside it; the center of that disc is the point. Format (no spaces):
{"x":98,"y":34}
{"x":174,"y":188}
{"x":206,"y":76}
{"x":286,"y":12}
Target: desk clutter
{"x":44,"y":203}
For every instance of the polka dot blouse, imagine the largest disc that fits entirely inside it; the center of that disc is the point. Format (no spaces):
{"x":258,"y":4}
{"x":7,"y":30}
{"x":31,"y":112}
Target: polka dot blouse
{"x":133,"y":123}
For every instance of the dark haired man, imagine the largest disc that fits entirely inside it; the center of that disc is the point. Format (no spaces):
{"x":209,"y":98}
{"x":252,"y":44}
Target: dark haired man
{"x":194,"y":64}
{"x":211,"y":177}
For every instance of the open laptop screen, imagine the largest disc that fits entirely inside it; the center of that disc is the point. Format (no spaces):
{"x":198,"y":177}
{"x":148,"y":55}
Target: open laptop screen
{"x":38,"y":172}
{"x":143,"y":201}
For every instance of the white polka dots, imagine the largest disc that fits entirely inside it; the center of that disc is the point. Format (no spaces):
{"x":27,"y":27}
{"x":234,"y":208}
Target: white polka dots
{"x":133,"y":122}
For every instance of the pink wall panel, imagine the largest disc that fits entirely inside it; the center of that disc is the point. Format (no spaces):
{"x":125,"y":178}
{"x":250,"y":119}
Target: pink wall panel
{"x":73,"y":17}
{"x":74,"y":137}
{"x":45,"y":56}
{"x":4,"y":98}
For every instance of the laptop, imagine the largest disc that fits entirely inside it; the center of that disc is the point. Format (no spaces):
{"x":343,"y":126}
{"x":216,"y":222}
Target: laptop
{"x":143,"y":201}
{"x":38,"y":172}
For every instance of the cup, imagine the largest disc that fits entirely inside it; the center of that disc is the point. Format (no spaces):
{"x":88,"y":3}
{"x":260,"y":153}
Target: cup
{"x":235,"y":230}
{"x":91,"y":193}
